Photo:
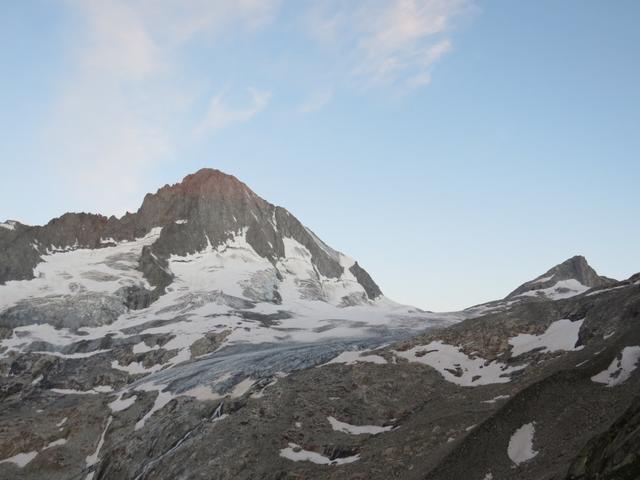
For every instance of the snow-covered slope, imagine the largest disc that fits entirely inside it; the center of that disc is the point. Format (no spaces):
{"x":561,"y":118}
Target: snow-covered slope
{"x":204,"y":266}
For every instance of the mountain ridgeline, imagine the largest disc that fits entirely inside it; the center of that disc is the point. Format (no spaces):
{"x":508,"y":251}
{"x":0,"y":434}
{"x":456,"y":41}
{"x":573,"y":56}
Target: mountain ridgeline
{"x":207,"y":208}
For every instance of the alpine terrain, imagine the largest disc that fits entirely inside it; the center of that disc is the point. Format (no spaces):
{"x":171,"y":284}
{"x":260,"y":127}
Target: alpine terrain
{"x":211,"y":335}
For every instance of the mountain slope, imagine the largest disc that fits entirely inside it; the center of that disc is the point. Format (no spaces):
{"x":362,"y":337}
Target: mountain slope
{"x":528,"y":393}
{"x":211,"y":335}
{"x":510,"y":395}
{"x":203,"y":293}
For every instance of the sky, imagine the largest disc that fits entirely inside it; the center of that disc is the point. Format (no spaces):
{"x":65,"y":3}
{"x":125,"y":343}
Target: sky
{"x":455,"y":148}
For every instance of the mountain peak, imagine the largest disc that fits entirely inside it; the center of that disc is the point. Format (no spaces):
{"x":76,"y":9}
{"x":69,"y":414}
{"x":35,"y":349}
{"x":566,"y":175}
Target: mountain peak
{"x":207,"y":189}
{"x":210,"y":180}
{"x":207,"y":210}
{"x":569,"y":278}
{"x":210,"y":207}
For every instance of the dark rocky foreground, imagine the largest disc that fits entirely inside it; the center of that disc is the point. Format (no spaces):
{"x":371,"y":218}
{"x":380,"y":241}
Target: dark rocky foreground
{"x":441,"y":430}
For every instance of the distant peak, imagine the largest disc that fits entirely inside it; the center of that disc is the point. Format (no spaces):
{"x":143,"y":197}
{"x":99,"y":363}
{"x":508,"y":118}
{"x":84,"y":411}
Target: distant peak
{"x":575,"y":274}
{"x":576,"y":260}
{"x":10,"y":224}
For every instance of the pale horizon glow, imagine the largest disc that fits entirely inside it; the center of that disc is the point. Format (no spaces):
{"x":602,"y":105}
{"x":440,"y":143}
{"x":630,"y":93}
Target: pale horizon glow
{"x":455,"y":148}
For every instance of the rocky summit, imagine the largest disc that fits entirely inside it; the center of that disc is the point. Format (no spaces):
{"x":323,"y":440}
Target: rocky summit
{"x":570,"y":277}
{"x":211,"y":335}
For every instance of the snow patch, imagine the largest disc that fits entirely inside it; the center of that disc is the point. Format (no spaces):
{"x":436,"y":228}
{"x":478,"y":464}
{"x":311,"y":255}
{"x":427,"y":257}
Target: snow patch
{"x":92,"y":391}
{"x":142,"y":347}
{"x":164,"y":397}
{"x":496,"y":399}
{"x":260,"y":394}
{"x":241,"y":388}
{"x":560,"y":335}
{"x":73,"y":355}
{"x":296,"y":454}
{"x":520,"y":447}
{"x":620,"y":369}
{"x":604,"y":290}
{"x":135,"y":368}
{"x":9,"y":225}
{"x":93,"y":459}
{"x":562,"y":289}
{"x":352,"y":357}
{"x":56,"y":443}
{"x":21,"y":459}
{"x":456,"y":367}
{"x":339,"y":426}
{"x":202,"y":393}
{"x":118,"y":405}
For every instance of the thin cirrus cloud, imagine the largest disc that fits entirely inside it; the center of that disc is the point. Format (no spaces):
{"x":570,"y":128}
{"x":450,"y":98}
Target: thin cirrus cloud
{"x":316,"y":101}
{"x":127,"y":105}
{"x":220,"y":114}
{"x":387,"y":43}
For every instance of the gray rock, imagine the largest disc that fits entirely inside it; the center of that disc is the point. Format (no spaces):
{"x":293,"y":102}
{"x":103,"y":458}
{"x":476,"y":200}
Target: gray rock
{"x":88,"y":309}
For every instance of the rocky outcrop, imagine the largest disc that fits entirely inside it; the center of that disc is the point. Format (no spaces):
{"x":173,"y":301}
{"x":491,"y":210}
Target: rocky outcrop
{"x":65,"y":311}
{"x":364,"y":279}
{"x":614,"y":454}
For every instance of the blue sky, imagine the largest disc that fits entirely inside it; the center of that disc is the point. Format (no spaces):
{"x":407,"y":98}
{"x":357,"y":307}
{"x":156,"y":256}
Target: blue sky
{"x":455,"y":148}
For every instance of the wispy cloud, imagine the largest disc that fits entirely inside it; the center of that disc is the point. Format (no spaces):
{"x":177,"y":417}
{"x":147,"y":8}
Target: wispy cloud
{"x":316,"y":101}
{"x":220,"y":114}
{"x":388,"y":42}
{"x":125,"y":102}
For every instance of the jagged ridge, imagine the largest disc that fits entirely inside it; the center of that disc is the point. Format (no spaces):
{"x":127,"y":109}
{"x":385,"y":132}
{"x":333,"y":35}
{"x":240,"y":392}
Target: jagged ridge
{"x":207,"y":208}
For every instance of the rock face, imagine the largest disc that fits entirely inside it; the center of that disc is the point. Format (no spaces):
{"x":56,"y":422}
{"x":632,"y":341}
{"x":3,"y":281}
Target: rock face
{"x":208,"y":207}
{"x":569,"y":278}
{"x":614,"y":454}
{"x":72,"y":312}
